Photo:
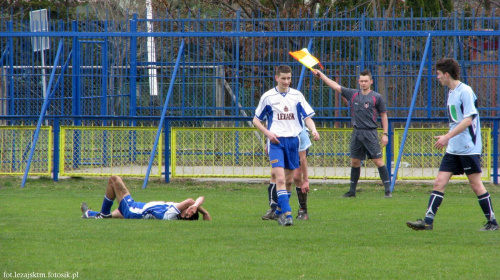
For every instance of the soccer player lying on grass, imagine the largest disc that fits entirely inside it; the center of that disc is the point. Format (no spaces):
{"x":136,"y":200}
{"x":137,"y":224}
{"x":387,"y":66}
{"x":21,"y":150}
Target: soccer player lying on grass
{"x":130,"y":209}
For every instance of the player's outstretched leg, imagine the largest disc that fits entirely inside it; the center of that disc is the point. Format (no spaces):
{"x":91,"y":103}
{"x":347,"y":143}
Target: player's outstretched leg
{"x":86,"y":212}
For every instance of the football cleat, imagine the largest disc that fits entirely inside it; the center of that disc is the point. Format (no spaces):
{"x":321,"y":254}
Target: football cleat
{"x":85,"y":210}
{"x":349,"y":194}
{"x":388,"y":195}
{"x":302,"y":215}
{"x":275,"y":216}
{"x":419,"y":225}
{"x":281,"y":219}
{"x":103,"y":216}
{"x":489,"y":226}
{"x":288,"y":222}
{"x":269,"y":215}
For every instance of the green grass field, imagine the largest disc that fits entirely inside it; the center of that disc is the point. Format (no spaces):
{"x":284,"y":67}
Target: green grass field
{"x":41,"y":231}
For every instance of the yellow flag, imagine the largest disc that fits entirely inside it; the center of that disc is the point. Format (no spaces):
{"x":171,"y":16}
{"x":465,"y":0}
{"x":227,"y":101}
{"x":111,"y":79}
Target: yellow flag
{"x":304,"y":57}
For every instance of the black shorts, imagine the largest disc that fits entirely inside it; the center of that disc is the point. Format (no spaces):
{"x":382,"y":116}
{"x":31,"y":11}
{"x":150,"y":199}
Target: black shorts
{"x":460,"y":164}
{"x":365,"y":143}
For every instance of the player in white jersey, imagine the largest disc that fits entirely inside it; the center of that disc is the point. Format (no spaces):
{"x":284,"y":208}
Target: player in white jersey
{"x":300,"y":178}
{"x":130,"y":209}
{"x":284,"y":109}
{"x":464,"y":147}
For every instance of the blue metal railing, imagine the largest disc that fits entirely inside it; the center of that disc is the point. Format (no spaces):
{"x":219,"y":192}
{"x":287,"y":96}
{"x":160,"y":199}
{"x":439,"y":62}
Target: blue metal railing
{"x":107,"y":75}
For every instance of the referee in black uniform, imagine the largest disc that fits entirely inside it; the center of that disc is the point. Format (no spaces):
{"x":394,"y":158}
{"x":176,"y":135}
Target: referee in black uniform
{"x":365,"y":105}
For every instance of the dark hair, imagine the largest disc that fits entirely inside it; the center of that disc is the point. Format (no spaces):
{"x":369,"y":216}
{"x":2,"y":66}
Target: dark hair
{"x":283,"y":69}
{"x":450,"y":66}
{"x":195,"y":216}
{"x":366,"y":73}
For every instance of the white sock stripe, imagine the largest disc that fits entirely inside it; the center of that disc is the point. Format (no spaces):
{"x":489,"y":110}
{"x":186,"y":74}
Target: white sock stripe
{"x":484,"y":198}
{"x":437,"y":195}
{"x":492,"y":215}
{"x":430,"y":204}
{"x":429,"y":209}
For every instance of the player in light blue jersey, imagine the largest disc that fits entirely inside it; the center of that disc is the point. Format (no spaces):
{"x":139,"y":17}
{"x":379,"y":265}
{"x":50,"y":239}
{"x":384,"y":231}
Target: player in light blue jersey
{"x":286,"y":110}
{"x":130,"y":209}
{"x":464,"y":147}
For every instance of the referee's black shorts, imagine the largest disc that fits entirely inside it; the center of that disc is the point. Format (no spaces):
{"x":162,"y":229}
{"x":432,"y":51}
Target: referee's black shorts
{"x":365,"y":144}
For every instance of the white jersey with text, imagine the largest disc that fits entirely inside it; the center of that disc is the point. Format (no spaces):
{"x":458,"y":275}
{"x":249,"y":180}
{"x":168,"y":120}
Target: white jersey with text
{"x":284,"y":111}
{"x":462,"y":104}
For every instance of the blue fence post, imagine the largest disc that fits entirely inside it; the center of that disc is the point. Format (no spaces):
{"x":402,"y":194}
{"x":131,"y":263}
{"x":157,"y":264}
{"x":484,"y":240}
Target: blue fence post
{"x":42,"y":113}
{"x":164,"y":111}
{"x":495,"y":151}
{"x":133,"y":67}
{"x":388,"y":148}
{"x":362,"y":46}
{"x":76,"y":109}
{"x":10,"y":27}
{"x":408,"y":120}
{"x":429,"y":82}
{"x":55,"y":167}
{"x":104,"y":74}
{"x":237,"y":90}
{"x":237,"y":71}
{"x":167,"y":151}
{"x":63,"y":89}
{"x":76,"y":98}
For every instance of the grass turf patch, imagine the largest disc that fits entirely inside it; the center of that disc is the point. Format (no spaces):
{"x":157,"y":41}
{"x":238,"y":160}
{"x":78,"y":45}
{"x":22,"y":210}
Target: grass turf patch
{"x":346,"y":238}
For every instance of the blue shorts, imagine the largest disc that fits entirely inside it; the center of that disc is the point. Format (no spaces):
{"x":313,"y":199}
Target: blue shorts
{"x":305,"y":142}
{"x":285,"y":154}
{"x":460,"y":164}
{"x":131,"y":209}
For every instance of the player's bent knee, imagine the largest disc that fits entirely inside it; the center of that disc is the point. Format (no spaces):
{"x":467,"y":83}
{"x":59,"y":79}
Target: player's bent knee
{"x":297,"y":181}
{"x":114,"y":179}
{"x":281,"y":181}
